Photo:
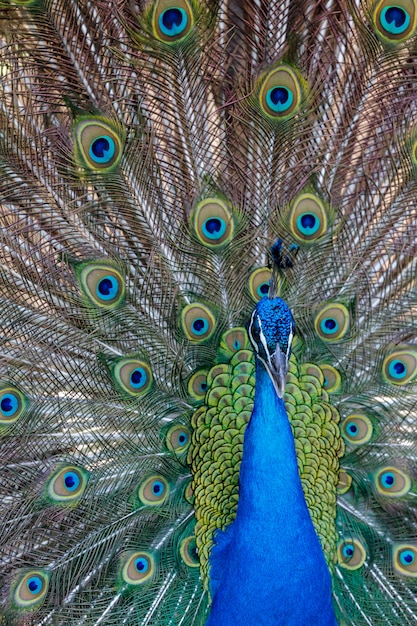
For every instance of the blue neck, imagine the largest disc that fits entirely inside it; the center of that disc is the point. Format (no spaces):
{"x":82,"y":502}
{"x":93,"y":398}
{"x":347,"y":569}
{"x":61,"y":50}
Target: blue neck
{"x":269,"y":567}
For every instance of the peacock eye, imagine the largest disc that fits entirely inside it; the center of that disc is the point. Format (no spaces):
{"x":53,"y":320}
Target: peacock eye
{"x":99,"y":143}
{"x":351,"y":554}
{"x":212,"y":222}
{"x":332,"y":378}
{"x":259,"y":283}
{"x":392,"y":482}
{"x":345,"y":482}
{"x":12,"y":404}
{"x":172,"y":20}
{"x":188,"y":552}
{"x":279,"y":99}
{"x":66,"y":485}
{"x":400,"y":367}
{"x":30,"y":589}
{"x":395,"y":22}
{"x":197,"y":385}
{"x":308,"y":218}
{"x":138,"y":568}
{"x":198,"y":322}
{"x":103,"y":284}
{"x":357,"y":429}
{"x":233,"y":340}
{"x":153,"y":491}
{"x":178,"y":439}
{"x":133,"y":376}
{"x":280,"y":93}
{"x":332,"y":322}
{"x":405,"y":560}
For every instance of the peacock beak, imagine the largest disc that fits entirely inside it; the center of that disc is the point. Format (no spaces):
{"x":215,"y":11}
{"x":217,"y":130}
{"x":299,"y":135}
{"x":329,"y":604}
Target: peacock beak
{"x":277,"y":368}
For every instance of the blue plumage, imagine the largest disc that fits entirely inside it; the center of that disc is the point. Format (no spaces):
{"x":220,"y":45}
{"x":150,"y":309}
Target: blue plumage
{"x":268,"y":567}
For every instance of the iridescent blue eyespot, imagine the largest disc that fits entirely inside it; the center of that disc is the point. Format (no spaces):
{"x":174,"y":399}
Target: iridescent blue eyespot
{"x":107,"y":288}
{"x":387,"y":479}
{"x":407,"y":557}
{"x":332,"y":322}
{"x":279,"y":99}
{"x":178,"y":439}
{"x":71,"y":481}
{"x":12,"y":404}
{"x":138,"y":378}
{"x":99,"y":143}
{"x":397,"y":369}
{"x":308,"y":224}
{"x":66,"y":485}
{"x":352,"y":429}
{"x":173,"y":21}
{"x":348,"y":551}
{"x":102,"y":149}
{"x":405,"y":560}
{"x":400,"y":366}
{"x":329,"y":325}
{"x":263,"y":290}
{"x":351,"y":554}
{"x":142,"y":565}
{"x":29,"y":589}
{"x":395,"y":19}
{"x":158,"y":488}
{"x":9,"y":404}
{"x":357,"y":429}
{"x":34,"y":584}
{"x":198,"y":322}
{"x":200,"y":326}
{"x":138,"y":568}
{"x":214,"y":228}
{"x":153,"y":491}
{"x":392,"y":482}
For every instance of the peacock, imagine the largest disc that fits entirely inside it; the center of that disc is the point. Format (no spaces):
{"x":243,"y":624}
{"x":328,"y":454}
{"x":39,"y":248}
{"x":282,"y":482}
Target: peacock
{"x":208,"y":305}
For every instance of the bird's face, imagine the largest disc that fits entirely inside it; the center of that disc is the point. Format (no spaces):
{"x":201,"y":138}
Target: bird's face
{"x":271,"y":330}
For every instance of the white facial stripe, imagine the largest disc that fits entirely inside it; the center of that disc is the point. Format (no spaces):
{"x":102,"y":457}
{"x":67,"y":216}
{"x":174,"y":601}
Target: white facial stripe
{"x":290,"y":336}
{"x":263,"y":338}
{"x":254,"y":343}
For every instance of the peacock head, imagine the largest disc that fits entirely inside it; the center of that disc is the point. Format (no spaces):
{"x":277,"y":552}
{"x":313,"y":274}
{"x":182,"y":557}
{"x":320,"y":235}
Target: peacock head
{"x":271,"y":330}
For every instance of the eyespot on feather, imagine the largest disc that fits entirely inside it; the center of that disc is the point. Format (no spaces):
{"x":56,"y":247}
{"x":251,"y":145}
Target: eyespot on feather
{"x":197,"y":385}
{"x":400,"y":366}
{"x":99,"y":143}
{"x":172,"y":20}
{"x":67,"y":484}
{"x":212,"y":221}
{"x":13,"y":404}
{"x":332,"y":322}
{"x":356,"y":429}
{"x":198,"y":322}
{"x":233,"y":340}
{"x":395,"y":22}
{"x":178,"y":439}
{"x":280,"y":93}
{"x":345,"y":482}
{"x":102,"y":284}
{"x":154,"y":490}
{"x":332,"y":378}
{"x":30,"y":589}
{"x":259,"y":283}
{"x":391,"y":482}
{"x":133,"y":376}
{"x":405,"y":559}
{"x":188,"y":552}
{"x":351,"y":554}
{"x":138,"y":568}
{"x":308,"y":218}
